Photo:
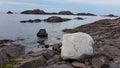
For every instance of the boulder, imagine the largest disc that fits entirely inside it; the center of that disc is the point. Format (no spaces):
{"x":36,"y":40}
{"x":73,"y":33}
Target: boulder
{"x":42,"y":33}
{"x":65,"y":13}
{"x":14,"y":50}
{"x":3,"y":57}
{"x":86,"y":14}
{"x":56,"y":19}
{"x":35,"y":11}
{"x":76,"y":46}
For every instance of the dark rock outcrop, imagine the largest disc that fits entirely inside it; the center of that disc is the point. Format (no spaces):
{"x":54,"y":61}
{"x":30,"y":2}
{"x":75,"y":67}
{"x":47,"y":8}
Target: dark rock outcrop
{"x":31,"y":21}
{"x":9,"y":12}
{"x":35,"y":60}
{"x":35,"y":11}
{"x":54,"y":19}
{"x":65,"y":13}
{"x":86,"y":14}
{"x":42,"y":33}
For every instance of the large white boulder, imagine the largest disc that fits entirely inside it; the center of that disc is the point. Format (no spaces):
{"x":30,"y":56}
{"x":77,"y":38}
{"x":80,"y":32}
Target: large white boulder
{"x":76,"y":46}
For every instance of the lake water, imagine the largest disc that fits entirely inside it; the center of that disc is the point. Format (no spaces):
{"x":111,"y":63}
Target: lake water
{"x":11,"y":28}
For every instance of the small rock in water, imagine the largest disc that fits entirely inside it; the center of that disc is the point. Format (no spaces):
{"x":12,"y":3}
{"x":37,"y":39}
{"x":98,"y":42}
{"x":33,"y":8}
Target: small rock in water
{"x":76,"y":46}
{"x":42,"y":33}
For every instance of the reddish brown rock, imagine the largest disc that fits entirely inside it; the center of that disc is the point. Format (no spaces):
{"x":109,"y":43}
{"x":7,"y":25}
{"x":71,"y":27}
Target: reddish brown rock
{"x":35,"y":11}
{"x":78,"y":65}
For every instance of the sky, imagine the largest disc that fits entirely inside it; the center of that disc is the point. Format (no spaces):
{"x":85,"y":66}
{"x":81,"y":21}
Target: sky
{"x":75,"y":6}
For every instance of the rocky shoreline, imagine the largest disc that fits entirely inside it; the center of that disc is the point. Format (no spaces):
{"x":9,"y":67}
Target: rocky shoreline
{"x":106,"y":35}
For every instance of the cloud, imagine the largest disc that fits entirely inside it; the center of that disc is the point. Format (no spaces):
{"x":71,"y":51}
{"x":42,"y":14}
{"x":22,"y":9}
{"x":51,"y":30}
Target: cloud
{"x":96,"y":2}
{"x":3,"y":3}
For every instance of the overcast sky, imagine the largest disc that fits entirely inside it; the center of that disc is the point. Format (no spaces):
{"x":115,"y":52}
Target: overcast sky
{"x":92,"y":6}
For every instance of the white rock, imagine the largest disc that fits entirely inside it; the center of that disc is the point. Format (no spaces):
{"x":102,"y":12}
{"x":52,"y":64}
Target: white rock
{"x":76,"y":45}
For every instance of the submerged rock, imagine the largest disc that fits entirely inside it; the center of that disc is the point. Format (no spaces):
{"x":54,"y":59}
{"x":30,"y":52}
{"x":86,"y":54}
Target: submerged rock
{"x":42,"y":33}
{"x":111,"y":15}
{"x":54,"y":19}
{"x":79,"y":18}
{"x":86,"y":14}
{"x":76,"y":46}
{"x":65,"y":13}
{"x":9,"y":12}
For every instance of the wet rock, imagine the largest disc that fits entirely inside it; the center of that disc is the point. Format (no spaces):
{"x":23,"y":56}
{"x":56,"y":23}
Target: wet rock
{"x":65,"y":13}
{"x":78,"y":65}
{"x":35,"y":11}
{"x":76,"y":46}
{"x":79,"y":18}
{"x":5,"y":41}
{"x":9,"y":12}
{"x":54,"y":19}
{"x":86,"y":14}
{"x":3,"y":57}
{"x":14,"y":50}
{"x":42,"y":33}
{"x":57,"y":47}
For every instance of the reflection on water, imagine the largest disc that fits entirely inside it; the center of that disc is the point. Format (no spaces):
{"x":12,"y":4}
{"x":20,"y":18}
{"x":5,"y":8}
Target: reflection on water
{"x":11,"y":28}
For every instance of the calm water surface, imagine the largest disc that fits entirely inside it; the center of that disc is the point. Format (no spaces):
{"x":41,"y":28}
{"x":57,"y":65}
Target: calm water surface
{"x":11,"y":28}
